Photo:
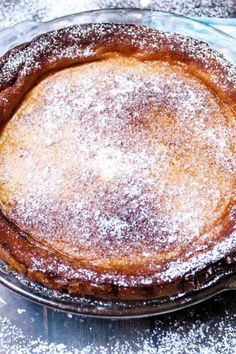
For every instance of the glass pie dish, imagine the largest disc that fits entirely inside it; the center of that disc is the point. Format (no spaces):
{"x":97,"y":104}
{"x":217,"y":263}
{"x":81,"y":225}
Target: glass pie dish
{"x":223,"y":43}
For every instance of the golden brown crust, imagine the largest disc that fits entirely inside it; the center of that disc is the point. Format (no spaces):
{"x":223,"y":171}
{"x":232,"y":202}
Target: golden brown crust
{"x":23,"y":67}
{"x":50,"y":269}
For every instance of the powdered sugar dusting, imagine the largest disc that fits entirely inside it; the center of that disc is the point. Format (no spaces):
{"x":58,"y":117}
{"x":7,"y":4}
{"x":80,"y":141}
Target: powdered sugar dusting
{"x":121,"y":161}
{"x":23,"y":344}
{"x":72,"y":42}
{"x":190,"y":332}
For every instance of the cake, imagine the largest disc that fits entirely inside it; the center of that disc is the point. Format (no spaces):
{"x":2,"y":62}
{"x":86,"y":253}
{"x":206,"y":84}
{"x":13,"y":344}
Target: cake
{"x":117,"y":162}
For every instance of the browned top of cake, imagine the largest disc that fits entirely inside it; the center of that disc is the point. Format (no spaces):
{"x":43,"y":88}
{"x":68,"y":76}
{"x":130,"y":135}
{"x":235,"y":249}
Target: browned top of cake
{"x":123,"y":166}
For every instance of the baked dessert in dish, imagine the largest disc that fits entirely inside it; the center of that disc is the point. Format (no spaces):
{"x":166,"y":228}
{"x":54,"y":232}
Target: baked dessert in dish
{"x":117,"y":161}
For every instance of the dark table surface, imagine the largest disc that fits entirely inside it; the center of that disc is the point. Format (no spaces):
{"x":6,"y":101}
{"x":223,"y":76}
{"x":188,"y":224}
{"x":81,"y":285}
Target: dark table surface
{"x":26,"y":327}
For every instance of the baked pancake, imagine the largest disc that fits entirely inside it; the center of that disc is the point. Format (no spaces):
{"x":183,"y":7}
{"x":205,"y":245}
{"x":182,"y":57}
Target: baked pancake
{"x":117,"y":161}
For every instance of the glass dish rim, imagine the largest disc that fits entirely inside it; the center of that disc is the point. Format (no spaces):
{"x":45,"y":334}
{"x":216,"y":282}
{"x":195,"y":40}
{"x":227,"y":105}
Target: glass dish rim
{"x":209,"y":23}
